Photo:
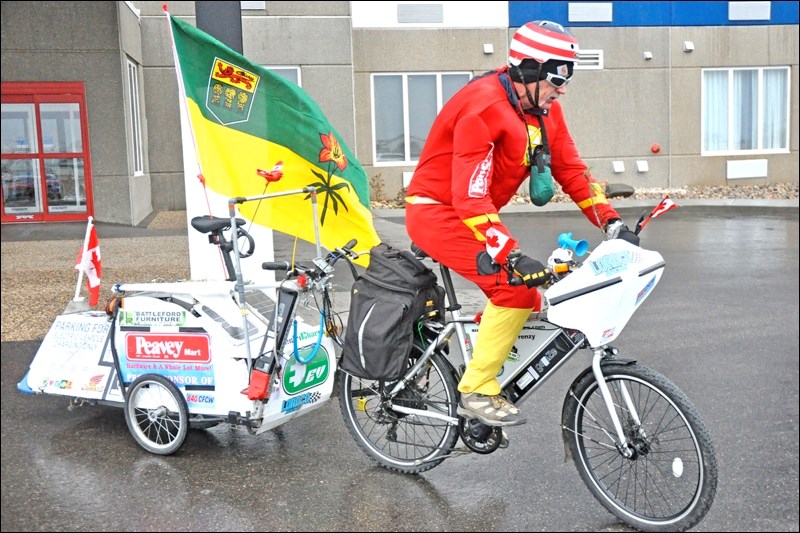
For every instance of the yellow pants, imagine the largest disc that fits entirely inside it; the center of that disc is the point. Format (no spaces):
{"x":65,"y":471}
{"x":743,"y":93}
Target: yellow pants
{"x":496,"y":335}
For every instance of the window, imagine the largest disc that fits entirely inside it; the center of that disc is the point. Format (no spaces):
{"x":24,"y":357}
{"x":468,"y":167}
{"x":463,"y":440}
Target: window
{"x":290,"y":73}
{"x":253,"y":5}
{"x":403,"y":109}
{"x":745,"y":110}
{"x":46,"y":174}
{"x":136,"y":121}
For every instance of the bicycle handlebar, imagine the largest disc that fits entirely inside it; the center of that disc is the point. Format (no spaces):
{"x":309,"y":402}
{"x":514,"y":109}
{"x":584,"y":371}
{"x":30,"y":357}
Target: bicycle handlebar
{"x":321,"y":268}
{"x":557,"y":271}
{"x":276,"y":265}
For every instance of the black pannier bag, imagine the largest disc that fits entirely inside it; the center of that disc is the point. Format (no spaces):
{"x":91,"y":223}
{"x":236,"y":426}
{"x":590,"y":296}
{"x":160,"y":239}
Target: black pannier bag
{"x":395,"y":291}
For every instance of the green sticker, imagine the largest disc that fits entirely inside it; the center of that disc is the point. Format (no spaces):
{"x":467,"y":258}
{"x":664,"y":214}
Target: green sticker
{"x":298,"y":377}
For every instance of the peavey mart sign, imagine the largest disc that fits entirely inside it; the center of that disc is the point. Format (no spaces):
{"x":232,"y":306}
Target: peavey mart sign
{"x":183,"y":348}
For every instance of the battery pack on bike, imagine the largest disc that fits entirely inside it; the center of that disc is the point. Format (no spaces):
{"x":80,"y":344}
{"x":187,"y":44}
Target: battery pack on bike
{"x":258,"y":388}
{"x":283,"y":315}
{"x":540,"y":365}
{"x":264,"y":365}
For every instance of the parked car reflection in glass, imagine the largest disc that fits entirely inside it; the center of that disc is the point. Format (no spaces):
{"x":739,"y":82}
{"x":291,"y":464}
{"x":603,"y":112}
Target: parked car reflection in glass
{"x":23,"y":187}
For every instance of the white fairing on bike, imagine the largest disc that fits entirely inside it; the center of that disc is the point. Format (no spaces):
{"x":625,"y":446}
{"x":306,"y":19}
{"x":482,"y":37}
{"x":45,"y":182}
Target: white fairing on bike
{"x":600,"y":296}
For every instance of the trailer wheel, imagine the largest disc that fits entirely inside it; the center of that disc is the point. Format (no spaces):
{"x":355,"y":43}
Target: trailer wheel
{"x":156,"y":414}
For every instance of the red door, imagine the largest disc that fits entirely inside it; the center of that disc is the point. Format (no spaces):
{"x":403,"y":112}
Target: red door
{"x":46,"y":164}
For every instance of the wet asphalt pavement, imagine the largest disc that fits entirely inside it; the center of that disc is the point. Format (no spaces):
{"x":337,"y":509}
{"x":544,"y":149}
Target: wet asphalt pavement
{"x":722,"y":324}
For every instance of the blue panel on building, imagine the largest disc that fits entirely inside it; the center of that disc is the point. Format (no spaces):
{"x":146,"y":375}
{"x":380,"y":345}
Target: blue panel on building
{"x":709,"y":13}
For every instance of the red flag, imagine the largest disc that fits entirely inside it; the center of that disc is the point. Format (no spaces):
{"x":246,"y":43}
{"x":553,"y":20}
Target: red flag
{"x":90,"y":264}
{"x":665,"y":205}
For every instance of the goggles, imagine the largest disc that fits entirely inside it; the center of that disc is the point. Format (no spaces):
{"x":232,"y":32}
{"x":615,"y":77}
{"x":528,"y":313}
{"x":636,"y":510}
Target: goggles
{"x":557,"y":81}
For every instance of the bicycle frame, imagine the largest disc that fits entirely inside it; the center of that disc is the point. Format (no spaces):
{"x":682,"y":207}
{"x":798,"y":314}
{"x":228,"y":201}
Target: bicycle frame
{"x":540,"y":349}
{"x":636,"y":440}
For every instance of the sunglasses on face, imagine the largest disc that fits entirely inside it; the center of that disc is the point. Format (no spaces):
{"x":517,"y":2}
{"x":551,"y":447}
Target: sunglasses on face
{"x":556,"y":81}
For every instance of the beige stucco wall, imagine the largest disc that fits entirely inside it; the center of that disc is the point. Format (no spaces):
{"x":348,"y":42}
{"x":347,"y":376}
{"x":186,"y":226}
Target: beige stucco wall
{"x":614,"y":114}
{"x":80,"y":41}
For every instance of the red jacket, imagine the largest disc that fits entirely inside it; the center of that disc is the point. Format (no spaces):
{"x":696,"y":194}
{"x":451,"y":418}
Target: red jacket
{"x":476,"y":158}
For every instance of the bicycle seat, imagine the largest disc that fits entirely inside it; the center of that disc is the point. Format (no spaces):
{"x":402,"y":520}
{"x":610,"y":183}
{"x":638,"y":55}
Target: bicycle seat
{"x":209,"y":224}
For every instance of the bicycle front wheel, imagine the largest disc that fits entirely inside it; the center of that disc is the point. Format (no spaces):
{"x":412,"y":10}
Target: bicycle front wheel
{"x":409,"y":432}
{"x":669,"y":482}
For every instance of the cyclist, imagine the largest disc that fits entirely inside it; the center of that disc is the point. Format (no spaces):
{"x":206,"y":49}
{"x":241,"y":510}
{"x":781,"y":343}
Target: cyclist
{"x":498,"y":130}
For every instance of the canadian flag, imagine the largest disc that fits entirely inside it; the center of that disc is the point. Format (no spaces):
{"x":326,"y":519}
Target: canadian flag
{"x":665,"y":205}
{"x":89,"y":262}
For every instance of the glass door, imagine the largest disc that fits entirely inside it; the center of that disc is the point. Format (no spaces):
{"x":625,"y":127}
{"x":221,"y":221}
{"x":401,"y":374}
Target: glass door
{"x":44,"y":155}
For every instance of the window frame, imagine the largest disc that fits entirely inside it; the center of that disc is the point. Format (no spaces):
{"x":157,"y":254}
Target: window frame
{"x":135,"y":123}
{"x":759,"y":150}
{"x":274,"y":68}
{"x":407,"y":161}
{"x":38,"y":93}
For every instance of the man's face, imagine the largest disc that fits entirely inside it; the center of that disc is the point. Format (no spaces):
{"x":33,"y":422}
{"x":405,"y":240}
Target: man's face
{"x":548,"y":93}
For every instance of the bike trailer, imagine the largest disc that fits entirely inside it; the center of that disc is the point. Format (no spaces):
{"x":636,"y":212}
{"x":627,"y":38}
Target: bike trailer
{"x":192,"y":334}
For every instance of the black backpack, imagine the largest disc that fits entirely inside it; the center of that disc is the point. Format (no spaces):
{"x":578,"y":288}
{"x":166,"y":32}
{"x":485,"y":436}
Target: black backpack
{"x":395,"y":292}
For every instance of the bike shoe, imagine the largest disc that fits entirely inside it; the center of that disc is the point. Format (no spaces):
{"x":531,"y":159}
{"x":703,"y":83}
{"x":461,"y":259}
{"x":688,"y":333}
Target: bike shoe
{"x":491,"y":410}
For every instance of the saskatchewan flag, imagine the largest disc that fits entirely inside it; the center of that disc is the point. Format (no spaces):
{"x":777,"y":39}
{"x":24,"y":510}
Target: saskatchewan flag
{"x":245,"y":119}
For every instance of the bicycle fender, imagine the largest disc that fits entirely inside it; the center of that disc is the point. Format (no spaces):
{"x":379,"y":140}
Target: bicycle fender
{"x":587,"y":370}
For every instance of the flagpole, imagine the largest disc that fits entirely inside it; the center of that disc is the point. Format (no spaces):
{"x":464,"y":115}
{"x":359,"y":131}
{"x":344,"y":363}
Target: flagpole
{"x":184,"y":99}
{"x":78,"y":297}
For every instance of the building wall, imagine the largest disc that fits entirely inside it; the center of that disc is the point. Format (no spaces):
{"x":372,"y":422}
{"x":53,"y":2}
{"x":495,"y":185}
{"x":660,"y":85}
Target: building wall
{"x":615,"y":114}
{"x":634,"y":103}
{"x":80,"y":41}
{"x":398,"y":51}
{"x":160,"y":87}
{"x":140,"y":185}
{"x":734,"y":46}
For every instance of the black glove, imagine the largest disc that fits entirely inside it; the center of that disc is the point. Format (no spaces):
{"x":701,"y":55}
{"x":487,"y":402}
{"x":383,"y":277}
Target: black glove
{"x":532,"y":272}
{"x":616,"y":229}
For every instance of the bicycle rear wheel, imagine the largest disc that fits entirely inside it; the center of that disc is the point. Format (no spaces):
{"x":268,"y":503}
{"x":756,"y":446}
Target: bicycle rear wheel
{"x":403,"y":441}
{"x":670,"y":481}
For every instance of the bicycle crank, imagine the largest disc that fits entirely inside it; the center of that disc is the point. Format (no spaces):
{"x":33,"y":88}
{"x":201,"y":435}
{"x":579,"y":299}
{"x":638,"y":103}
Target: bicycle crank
{"x":479,"y":437}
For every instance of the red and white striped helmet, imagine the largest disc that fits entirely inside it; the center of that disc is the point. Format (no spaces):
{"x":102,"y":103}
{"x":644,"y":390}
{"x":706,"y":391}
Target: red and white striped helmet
{"x":542,"y":40}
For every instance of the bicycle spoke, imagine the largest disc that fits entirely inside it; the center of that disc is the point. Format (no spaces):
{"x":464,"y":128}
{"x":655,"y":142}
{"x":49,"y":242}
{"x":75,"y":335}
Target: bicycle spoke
{"x":660,"y":484}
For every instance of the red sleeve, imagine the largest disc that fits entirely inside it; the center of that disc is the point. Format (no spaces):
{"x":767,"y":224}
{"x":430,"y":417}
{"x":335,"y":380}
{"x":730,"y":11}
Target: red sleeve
{"x":473,"y":150}
{"x":572,"y":174}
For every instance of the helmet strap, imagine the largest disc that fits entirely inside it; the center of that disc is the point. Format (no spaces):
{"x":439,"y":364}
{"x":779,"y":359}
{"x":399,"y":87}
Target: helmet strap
{"x":538,"y":77}
{"x":534,"y":100}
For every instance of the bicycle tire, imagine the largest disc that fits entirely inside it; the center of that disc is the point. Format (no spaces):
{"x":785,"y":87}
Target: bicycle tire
{"x":404,"y":443}
{"x":156,"y":414}
{"x":670,"y":482}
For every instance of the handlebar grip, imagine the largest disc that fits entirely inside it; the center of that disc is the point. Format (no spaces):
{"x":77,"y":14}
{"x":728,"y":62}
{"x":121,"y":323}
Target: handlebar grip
{"x":276,"y":265}
{"x":350,"y":244}
{"x":513,"y":279}
{"x":560,"y":268}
